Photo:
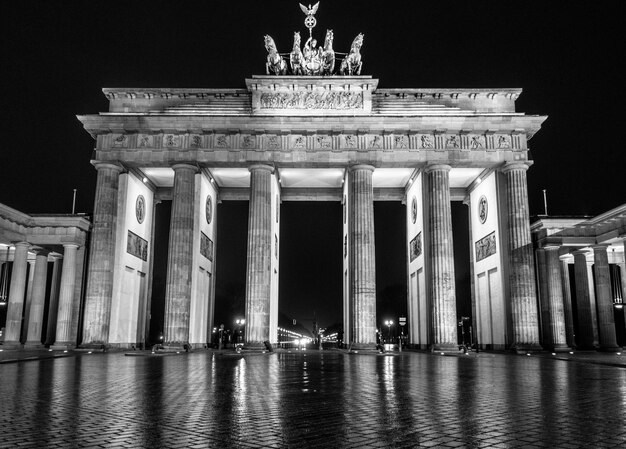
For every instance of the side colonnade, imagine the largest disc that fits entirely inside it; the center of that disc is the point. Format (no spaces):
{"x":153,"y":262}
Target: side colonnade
{"x":47,"y":253}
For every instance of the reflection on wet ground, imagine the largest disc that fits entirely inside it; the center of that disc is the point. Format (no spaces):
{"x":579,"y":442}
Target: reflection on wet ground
{"x":327,"y":400}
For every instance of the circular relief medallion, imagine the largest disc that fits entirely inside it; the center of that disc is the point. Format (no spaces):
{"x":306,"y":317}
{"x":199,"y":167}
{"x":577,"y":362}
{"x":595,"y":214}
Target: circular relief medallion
{"x":414,"y":210}
{"x":482,"y":209}
{"x":140,"y":208}
{"x":209,"y":209}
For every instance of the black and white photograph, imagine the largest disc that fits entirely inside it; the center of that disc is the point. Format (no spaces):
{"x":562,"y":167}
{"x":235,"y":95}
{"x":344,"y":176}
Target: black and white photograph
{"x":336,"y":224}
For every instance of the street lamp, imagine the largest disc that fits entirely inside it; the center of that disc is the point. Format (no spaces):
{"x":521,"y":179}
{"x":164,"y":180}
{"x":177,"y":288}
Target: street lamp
{"x":389,"y":323}
{"x":239,"y":322}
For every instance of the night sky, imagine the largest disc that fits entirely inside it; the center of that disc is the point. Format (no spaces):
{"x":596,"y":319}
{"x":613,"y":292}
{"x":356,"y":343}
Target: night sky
{"x":56,"y":57}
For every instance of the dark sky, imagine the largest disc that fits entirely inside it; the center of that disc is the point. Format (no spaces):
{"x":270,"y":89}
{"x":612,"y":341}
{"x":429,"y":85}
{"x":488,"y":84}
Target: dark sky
{"x":56,"y":56}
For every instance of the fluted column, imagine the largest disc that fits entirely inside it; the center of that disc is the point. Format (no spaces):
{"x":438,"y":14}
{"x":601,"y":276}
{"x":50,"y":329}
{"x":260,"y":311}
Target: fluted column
{"x":53,"y":306}
{"x":64,"y":338}
{"x":567,"y":304}
{"x":442,"y":288}
{"x":558,"y":339}
{"x":362,"y":257}
{"x":544,"y":303}
{"x":523,"y":294}
{"x":586,"y":337}
{"x":604,"y":300}
{"x":16,"y":297}
{"x":38,"y":300}
{"x":99,"y":292}
{"x":179,"y":262}
{"x":259,"y":256}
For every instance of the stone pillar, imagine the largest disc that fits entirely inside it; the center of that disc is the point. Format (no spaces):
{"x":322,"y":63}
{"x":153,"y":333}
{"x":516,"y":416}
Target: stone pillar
{"x":180,"y":257}
{"x":586,"y":337}
{"x":567,"y":304}
{"x":64,"y":338}
{"x":29,"y":297}
{"x":556,"y":315}
{"x":38,"y":301}
{"x":604,"y":300}
{"x":442,"y":288}
{"x":544,"y":303}
{"x":16,"y":297}
{"x":101,"y":256}
{"x":362,"y":257}
{"x":53,"y":306}
{"x":258,"y":269}
{"x":523,"y":295}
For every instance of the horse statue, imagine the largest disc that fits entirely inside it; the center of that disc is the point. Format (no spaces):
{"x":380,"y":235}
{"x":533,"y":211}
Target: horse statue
{"x":351,"y":65}
{"x":296,"y":59}
{"x":275,"y":62}
{"x":328,"y":54}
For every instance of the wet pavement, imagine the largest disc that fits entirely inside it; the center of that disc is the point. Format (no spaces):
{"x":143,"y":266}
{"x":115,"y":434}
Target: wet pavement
{"x":327,"y":399}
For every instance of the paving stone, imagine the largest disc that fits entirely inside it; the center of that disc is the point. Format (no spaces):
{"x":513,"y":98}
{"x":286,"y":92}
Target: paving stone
{"x":311,"y":400}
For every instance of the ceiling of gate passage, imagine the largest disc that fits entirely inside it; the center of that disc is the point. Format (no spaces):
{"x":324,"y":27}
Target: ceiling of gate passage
{"x":311,"y":178}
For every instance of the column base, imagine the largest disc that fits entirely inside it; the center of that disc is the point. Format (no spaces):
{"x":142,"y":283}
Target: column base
{"x":33,"y":345}
{"x":610,"y":349}
{"x":12,"y":345}
{"x":525,"y":348}
{"x":444,"y":347}
{"x":61,"y":346}
{"x":175,"y":347}
{"x":101,"y":347}
{"x":258,"y":346}
{"x":365,"y":347}
{"x":561,"y":348}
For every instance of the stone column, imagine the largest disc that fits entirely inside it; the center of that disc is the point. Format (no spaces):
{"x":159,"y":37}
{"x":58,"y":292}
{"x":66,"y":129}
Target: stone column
{"x":544,"y":303}
{"x":586,"y":336}
{"x":523,"y":294}
{"x":16,"y":297}
{"x":180,"y":257}
{"x":38,"y":300}
{"x":29,"y":297}
{"x":558,"y":340}
{"x":604,"y":300}
{"x":442,"y":288}
{"x":101,"y":256}
{"x":362,"y":257}
{"x":64,"y":338}
{"x":258,"y":269}
{"x":567,"y":304}
{"x":53,"y":306}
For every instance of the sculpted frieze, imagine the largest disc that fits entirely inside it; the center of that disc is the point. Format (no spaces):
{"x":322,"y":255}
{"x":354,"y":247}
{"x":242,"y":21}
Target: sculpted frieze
{"x":350,"y":141}
{"x":426,"y":141}
{"x":120,"y":141}
{"x":298,"y":142}
{"x":324,"y":142}
{"x":195,"y":141}
{"x":172,"y":140}
{"x":272,"y":142}
{"x":248,"y":142}
{"x":312,"y":100}
{"x":375,"y":142}
{"x":145,"y":141}
{"x":502,"y":141}
{"x":453,"y":141}
{"x":222,"y":141}
{"x":401,"y":142}
{"x":476,"y":142}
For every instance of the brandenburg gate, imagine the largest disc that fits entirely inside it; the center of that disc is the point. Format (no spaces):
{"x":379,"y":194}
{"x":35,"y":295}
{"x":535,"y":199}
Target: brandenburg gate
{"x":305,"y":132}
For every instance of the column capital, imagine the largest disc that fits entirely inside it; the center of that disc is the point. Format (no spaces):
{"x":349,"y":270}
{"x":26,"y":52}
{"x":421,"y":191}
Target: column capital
{"x":110,"y":165}
{"x":70,"y":245}
{"x":579,"y":252}
{"x":510,"y":166}
{"x":21,"y":244}
{"x":436,"y":167}
{"x":361,"y":167}
{"x":266,"y":167}
{"x":600,"y":247}
{"x":552,"y":247}
{"x":186,"y":166}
